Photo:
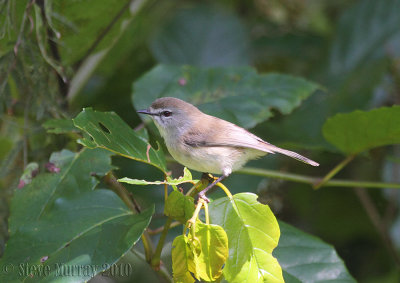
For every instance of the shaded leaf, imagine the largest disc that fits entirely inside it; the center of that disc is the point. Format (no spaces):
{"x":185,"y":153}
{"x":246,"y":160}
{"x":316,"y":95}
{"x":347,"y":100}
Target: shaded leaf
{"x":60,"y":126}
{"x":239,"y":95}
{"x":305,"y":258}
{"x":358,"y":131}
{"x":193,"y":37}
{"x":179,"y":207}
{"x":60,"y":219}
{"x":365,"y":33}
{"x":253,"y":233}
{"x":109,"y":131}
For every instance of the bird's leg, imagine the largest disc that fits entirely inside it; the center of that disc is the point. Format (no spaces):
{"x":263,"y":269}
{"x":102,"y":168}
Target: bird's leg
{"x":202,"y":194}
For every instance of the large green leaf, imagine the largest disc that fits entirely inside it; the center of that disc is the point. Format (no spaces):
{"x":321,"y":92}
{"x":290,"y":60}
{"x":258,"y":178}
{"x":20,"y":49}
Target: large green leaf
{"x":83,"y":22}
{"x":193,"y":36}
{"x":109,"y":131}
{"x":358,"y":131}
{"x":253,"y":233}
{"x":239,"y":95}
{"x":305,"y":258}
{"x":60,"y":219}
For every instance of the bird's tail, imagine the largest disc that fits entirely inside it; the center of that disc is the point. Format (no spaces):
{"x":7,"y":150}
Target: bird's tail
{"x":270,"y":147}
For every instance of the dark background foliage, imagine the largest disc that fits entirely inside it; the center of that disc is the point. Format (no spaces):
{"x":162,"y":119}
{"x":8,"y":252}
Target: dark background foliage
{"x":59,"y":56}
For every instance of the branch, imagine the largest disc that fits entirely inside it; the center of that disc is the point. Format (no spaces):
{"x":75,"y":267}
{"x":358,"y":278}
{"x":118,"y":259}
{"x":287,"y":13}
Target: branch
{"x":312,"y":180}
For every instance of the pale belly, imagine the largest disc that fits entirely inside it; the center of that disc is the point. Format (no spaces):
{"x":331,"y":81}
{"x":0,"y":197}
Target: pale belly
{"x":215,"y":160}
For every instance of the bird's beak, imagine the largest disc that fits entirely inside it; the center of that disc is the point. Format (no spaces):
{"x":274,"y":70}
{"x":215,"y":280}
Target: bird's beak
{"x":145,"y":111}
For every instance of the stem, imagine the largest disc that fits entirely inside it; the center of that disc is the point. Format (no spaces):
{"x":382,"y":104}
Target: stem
{"x":206,"y":213}
{"x":160,"y":229}
{"x":130,"y":202}
{"x":227,"y":192}
{"x":311,"y":180}
{"x":122,"y":192}
{"x":334,"y":171}
{"x":192,"y":220}
{"x":156,"y":259}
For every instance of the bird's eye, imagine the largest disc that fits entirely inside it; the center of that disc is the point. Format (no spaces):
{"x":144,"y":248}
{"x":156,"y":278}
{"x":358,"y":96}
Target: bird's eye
{"x":166,"y":113}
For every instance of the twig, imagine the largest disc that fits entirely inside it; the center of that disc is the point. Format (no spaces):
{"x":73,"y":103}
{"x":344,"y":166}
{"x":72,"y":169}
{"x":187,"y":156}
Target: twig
{"x":156,"y":258}
{"x":127,"y":198}
{"x":160,"y":229}
{"x":312,"y":180}
{"x":334,"y":171}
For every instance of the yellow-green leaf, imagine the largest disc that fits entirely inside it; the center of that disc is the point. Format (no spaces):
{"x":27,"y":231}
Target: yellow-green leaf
{"x":253,"y":234}
{"x":181,"y":260}
{"x":212,"y":251}
{"x":179,"y":206}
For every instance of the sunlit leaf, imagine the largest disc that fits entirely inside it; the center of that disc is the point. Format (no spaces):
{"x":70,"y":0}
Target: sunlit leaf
{"x":107,"y":130}
{"x":186,"y":178}
{"x":239,"y":94}
{"x":179,"y":207}
{"x":253,"y":233}
{"x":359,"y":131}
{"x":181,"y":260}
{"x":211,"y":253}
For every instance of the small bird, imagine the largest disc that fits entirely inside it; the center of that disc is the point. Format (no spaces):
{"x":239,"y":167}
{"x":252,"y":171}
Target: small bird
{"x":206,"y":143}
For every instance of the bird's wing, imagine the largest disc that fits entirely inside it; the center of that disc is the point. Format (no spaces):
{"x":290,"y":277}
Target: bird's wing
{"x":224,"y":133}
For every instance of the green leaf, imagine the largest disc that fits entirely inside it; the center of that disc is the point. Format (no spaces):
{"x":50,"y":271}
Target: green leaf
{"x":304,"y":258}
{"x":210,"y":251}
{"x":60,"y":126}
{"x":365,"y":33}
{"x":239,"y":94}
{"x":107,"y":130}
{"x":193,"y":37}
{"x":253,"y":233}
{"x":179,"y":206}
{"x":60,"y":219}
{"x":359,"y":131}
{"x":186,"y":178}
{"x":181,"y":260}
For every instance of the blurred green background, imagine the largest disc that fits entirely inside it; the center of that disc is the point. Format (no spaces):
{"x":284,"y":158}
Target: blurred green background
{"x":59,"y":56}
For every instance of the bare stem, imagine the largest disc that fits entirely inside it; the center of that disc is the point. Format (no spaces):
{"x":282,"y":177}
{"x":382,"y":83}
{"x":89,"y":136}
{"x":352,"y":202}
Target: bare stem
{"x":156,"y":258}
{"x":312,"y":180}
{"x":334,"y":171}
